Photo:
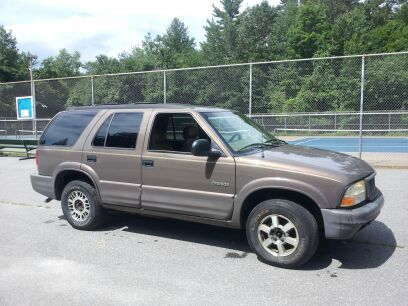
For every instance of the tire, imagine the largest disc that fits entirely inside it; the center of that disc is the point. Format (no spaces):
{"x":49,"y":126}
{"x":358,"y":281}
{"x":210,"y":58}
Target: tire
{"x":292,"y":242}
{"x":81,"y":206}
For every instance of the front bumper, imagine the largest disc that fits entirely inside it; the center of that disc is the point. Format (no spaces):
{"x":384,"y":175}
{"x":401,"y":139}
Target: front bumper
{"x":43,"y":185}
{"x":344,"y":223}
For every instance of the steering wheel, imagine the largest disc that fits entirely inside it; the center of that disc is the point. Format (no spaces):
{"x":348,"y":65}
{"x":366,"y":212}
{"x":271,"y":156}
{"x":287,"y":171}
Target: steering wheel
{"x":237,"y":136}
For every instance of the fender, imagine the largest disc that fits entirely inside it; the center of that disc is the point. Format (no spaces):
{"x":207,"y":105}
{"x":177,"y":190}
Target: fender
{"x":65,"y":166}
{"x":76,"y":166}
{"x":91,"y":173}
{"x":275,"y":183}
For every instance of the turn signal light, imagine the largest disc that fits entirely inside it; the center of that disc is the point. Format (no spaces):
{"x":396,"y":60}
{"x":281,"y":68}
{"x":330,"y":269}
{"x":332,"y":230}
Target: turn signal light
{"x":348,"y":201}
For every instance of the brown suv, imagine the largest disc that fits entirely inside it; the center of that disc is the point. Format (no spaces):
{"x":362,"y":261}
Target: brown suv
{"x":206,"y":165}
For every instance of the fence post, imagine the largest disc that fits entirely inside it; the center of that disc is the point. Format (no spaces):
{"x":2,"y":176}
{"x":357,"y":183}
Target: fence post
{"x":250,"y":91}
{"x":92,"y":91}
{"x":164,"y":87}
{"x":389,"y":122}
{"x":361,"y":106}
{"x":34,"y":109}
{"x":33,"y":97}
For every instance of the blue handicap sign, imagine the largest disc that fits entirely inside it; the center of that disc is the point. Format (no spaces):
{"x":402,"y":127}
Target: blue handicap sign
{"x":24,"y":106}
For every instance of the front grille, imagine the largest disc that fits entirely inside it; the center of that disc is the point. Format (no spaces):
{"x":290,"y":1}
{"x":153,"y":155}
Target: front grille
{"x":371,"y":188}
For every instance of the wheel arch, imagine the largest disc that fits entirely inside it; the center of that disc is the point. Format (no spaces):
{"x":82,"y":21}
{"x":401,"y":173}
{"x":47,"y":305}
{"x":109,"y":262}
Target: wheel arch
{"x":69,"y":175}
{"x":258,"y":196}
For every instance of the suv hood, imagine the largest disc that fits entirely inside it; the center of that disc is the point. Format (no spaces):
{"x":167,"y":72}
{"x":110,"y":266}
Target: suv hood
{"x":307,"y":160}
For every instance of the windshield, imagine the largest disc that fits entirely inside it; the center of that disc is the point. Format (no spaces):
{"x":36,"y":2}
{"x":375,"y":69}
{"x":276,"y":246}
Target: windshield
{"x":239,"y":132}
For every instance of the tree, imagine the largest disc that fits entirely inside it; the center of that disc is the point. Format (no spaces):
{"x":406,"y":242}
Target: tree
{"x":174,"y":49}
{"x":9,"y":56}
{"x":221,"y":44}
{"x":378,"y":12}
{"x":137,"y":59}
{"x":336,"y":8}
{"x":254,"y":29}
{"x":177,"y":38}
{"x":56,"y":95}
{"x":278,"y":38}
{"x":103,"y":64}
{"x":348,"y":30}
{"x":310,"y":32}
{"x":65,"y":64}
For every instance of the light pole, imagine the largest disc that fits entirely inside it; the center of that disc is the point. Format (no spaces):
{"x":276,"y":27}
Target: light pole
{"x":32,"y":57}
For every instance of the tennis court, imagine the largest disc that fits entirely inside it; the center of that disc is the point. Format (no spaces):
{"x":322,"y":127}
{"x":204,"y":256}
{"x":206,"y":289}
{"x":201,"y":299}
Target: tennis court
{"x":20,"y":137}
{"x":351,"y":144}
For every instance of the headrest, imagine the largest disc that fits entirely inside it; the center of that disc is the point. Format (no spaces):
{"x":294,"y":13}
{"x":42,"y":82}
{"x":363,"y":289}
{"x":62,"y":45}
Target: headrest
{"x":190,"y":132}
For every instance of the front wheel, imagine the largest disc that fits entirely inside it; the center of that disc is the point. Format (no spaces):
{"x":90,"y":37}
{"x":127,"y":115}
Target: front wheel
{"x":282,"y":233}
{"x":81,"y":206}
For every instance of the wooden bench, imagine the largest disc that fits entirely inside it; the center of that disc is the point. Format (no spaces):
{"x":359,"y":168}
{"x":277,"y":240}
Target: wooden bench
{"x":26,"y":144}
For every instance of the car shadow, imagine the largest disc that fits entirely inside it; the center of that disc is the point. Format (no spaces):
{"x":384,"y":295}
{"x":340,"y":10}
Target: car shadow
{"x":370,"y":248}
{"x":232,"y":239}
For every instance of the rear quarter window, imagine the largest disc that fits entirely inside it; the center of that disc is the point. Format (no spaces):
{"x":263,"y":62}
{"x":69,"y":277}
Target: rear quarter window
{"x":65,"y":128}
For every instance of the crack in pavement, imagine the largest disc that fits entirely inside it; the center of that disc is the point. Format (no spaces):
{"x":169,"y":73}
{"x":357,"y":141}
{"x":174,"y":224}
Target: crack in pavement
{"x":24,"y":204}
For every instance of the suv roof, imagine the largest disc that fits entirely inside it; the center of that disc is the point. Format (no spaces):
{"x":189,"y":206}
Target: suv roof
{"x":147,"y":106}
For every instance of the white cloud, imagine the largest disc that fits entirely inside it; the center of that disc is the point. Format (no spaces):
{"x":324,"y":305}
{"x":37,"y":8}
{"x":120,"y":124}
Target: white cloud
{"x":94,"y":27}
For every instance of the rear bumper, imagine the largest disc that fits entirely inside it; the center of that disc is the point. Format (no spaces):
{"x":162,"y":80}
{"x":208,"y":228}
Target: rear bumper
{"x":43,"y":185}
{"x":344,"y":223}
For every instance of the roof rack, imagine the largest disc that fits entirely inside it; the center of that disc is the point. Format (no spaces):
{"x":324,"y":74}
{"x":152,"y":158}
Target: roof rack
{"x":131,"y":106}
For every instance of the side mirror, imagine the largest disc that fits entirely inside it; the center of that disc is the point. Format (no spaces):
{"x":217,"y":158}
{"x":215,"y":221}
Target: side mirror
{"x":202,"y":147}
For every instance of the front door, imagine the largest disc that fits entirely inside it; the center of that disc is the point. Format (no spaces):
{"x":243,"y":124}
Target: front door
{"x":176,"y":181}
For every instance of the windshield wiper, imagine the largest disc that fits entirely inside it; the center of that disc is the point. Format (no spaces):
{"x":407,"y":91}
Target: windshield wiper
{"x":257,"y":144}
{"x":276,"y":141}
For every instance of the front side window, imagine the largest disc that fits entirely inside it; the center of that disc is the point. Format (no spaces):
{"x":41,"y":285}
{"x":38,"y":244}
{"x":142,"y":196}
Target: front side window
{"x":65,"y":129}
{"x":239,"y":132}
{"x":175,"y":132}
{"x":119,"y":131}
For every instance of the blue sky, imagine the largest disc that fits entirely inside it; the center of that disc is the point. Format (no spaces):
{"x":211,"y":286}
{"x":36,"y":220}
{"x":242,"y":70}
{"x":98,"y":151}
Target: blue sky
{"x":99,"y":27}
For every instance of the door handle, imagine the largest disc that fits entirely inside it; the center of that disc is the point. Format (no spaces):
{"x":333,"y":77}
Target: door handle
{"x":148,"y":163}
{"x":91,"y":158}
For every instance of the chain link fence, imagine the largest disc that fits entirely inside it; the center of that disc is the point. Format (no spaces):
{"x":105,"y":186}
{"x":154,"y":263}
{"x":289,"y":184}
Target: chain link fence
{"x":334,"y":97}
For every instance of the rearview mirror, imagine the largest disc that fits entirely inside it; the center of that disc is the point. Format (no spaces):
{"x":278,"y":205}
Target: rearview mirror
{"x":202,"y":147}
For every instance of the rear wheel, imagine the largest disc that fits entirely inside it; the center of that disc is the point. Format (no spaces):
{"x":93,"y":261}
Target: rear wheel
{"x":81,"y":206}
{"x":282,"y":233}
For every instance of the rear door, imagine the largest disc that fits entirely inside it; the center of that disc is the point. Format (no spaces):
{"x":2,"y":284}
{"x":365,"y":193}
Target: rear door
{"x":112,"y":152}
{"x":176,"y":181}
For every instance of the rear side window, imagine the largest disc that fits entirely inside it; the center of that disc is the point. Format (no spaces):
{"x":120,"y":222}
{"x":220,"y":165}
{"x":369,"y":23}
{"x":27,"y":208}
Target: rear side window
{"x":120,"y":131}
{"x":65,"y":129}
{"x":100,"y":136}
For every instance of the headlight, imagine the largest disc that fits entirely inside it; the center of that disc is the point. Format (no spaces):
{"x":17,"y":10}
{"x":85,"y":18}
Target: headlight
{"x":355,"y":194}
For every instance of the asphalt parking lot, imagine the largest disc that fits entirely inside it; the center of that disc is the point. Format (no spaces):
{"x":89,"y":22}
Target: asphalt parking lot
{"x":137,"y":260}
